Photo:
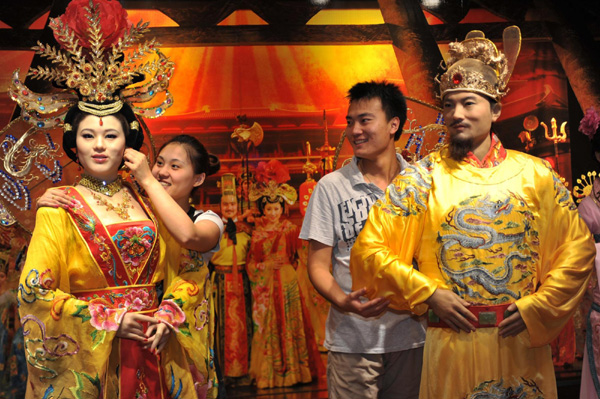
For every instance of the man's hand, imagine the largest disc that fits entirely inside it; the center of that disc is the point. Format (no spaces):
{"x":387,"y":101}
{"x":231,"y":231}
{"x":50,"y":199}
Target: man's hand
{"x":512,"y":325}
{"x":372,"y":308}
{"x":452,"y":309}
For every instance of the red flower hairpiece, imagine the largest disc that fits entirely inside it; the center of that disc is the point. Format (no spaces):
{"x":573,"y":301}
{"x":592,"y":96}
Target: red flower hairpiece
{"x":113,"y":22}
{"x":273,"y":170}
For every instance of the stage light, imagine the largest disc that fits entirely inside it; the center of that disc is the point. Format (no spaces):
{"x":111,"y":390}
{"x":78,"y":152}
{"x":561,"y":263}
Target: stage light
{"x":430,"y":3}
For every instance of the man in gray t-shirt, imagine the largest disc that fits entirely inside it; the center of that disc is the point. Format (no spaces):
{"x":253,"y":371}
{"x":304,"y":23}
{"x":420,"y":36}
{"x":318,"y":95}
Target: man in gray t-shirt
{"x":374,"y":352}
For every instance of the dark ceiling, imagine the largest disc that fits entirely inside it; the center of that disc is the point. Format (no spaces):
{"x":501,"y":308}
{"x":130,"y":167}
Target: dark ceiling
{"x":287,"y":19}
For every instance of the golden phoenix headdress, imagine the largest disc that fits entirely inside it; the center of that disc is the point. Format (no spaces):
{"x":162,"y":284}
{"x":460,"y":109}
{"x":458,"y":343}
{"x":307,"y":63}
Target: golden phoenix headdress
{"x":101,"y":68}
{"x":99,"y":74}
{"x":476,"y":65}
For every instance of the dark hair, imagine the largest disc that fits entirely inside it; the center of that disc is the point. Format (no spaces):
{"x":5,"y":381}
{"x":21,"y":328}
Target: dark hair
{"x":392,"y":100}
{"x":263,"y":201}
{"x":134,"y":138}
{"x":202,"y":160}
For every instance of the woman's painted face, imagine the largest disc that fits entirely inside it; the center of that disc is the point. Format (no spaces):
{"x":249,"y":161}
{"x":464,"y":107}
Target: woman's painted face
{"x":273,"y":212}
{"x":174,"y":170}
{"x":100,"y":147}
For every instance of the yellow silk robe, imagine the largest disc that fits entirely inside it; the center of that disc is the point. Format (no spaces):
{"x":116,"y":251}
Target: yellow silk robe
{"x":509,"y":233}
{"x":190,"y":358}
{"x":233,"y":304}
{"x":76,"y":285}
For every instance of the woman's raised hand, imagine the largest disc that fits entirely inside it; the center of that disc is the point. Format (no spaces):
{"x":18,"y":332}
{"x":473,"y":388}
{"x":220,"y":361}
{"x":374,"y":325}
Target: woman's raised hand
{"x":138,"y":165}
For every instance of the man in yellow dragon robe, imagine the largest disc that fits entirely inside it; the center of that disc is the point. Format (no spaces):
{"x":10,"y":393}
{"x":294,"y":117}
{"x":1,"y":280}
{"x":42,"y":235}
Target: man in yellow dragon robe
{"x":503,"y":257}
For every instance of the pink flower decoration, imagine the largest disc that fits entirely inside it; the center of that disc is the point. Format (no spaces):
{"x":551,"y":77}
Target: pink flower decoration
{"x":170,"y":313}
{"x":135,"y":246}
{"x":137,"y":300}
{"x":105,"y":317}
{"x":590,"y":122}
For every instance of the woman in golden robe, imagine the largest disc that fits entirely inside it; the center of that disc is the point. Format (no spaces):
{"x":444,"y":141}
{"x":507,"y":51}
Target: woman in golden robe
{"x":186,"y":279}
{"x":94,"y":325}
{"x":87,"y":291}
{"x":280,"y":355}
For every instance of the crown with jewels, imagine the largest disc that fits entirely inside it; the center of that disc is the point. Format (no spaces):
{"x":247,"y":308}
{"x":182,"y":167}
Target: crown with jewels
{"x":100,"y":68}
{"x":476,"y":65}
{"x":93,"y":66}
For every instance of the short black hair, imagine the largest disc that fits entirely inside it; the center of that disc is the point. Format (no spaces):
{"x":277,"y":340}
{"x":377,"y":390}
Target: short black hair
{"x":392,"y":100}
{"x":202,"y":161}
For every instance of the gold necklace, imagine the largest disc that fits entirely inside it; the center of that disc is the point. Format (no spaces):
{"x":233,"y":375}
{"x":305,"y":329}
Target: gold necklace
{"x":101,"y":186}
{"x":120,"y":209}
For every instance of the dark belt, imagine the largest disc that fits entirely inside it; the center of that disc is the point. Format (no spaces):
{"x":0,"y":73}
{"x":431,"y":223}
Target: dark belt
{"x":487,"y":316}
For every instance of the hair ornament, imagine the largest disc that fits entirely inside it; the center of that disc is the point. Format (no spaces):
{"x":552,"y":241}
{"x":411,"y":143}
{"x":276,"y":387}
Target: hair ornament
{"x":101,"y":66}
{"x":91,"y":63}
{"x":270,"y":183}
{"x":590,"y":122}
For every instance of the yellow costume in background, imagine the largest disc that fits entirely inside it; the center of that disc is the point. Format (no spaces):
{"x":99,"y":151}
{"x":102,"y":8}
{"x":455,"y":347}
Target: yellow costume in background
{"x":497,"y":235}
{"x":233,"y":302}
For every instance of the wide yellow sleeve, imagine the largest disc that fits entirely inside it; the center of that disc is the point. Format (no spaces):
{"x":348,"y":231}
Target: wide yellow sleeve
{"x":565,"y":265}
{"x":381,"y":258}
{"x":67,"y":341}
{"x":188,"y":308}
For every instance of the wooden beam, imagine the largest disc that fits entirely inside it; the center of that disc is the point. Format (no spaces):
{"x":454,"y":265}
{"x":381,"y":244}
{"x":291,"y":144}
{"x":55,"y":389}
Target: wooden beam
{"x":415,"y":47}
{"x":511,"y":10}
{"x":254,"y":35}
{"x":21,"y":14}
{"x":533,"y":30}
{"x":284,"y":13}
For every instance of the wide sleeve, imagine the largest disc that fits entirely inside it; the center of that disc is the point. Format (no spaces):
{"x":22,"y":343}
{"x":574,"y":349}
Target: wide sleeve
{"x":293,"y":243}
{"x":381,"y":258}
{"x":67,"y":341}
{"x":186,"y":307}
{"x":565,"y":265}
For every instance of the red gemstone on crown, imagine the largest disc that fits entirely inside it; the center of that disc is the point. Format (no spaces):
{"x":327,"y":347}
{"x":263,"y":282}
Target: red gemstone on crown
{"x":457,"y":78}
